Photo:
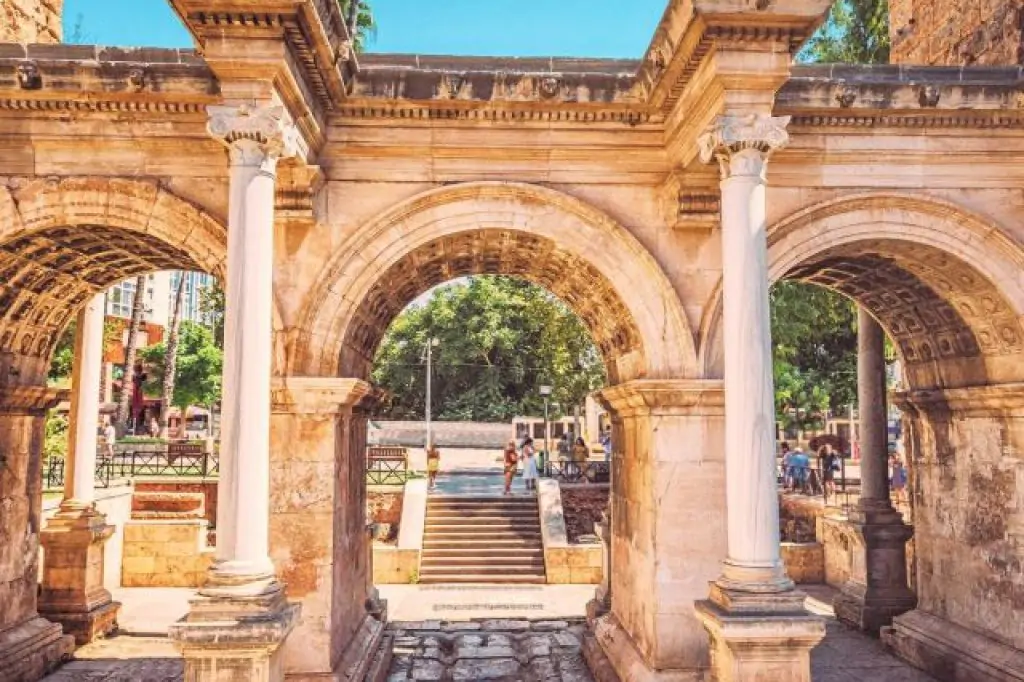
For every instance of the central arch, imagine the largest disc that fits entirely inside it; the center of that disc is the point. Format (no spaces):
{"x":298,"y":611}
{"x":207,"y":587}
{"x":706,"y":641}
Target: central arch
{"x":552,"y":239}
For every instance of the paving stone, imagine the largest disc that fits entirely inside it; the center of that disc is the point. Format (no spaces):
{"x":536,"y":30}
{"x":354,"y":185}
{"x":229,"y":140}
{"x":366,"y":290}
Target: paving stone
{"x":429,"y":671}
{"x":507,"y":625}
{"x":407,"y":642}
{"x":468,"y":671}
{"x":550,"y":625}
{"x":484,"y":652}
{"x":461,"y":627}
{"x":419,"y":626}
{"x":499,"y":640}
{"x":469,"y":640}
{"x":433,"y":653}
{"x":567,"y":640}
{"x":539,"y":651}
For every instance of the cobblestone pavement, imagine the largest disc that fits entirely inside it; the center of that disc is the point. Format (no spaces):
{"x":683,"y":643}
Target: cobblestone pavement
{"x":492,"y":649}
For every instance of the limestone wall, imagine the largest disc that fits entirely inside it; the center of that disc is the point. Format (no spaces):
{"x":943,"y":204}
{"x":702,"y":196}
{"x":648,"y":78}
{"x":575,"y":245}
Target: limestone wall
{"x":31,"y":21}
{"x":956,"y":32}
{"x":966,"y":476}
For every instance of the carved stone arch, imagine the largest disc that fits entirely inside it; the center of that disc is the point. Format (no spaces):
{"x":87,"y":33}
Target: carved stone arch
{"x":955,"y":282}
{"x":64,"y":239}
{"x":483,"y":227}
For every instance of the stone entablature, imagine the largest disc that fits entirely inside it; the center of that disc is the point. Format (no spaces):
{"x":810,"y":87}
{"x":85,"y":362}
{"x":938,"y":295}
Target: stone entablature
{"x":31,"y":21}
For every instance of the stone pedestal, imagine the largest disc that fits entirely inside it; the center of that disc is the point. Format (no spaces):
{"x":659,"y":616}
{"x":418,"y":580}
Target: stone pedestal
{"x":234,"y":636}
{"x":759,"y":636}
{"x":877,"y":590}
{"x":72,"y":591}
{"x":30,"y":646}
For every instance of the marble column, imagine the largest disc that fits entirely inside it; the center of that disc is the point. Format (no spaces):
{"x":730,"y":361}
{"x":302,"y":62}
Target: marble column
{"x":877,"y":590}
{"x":240,"y":617}
{"x":755,"y":618}
{"x":72,"y":589}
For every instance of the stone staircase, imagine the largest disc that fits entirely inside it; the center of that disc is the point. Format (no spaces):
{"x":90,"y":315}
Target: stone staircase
{"x":482,"y":540}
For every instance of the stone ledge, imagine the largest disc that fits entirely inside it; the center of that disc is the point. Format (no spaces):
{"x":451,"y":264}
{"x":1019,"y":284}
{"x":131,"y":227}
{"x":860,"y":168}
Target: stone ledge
{"x":32,"y":649}
{"x":951,"y":653}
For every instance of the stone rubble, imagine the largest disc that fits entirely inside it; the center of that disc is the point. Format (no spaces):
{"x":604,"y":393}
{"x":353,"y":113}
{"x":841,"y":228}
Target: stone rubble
{"x":500,"y":650}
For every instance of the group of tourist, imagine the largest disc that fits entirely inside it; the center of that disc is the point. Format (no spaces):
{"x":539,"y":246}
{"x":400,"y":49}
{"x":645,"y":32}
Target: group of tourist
{"x":799,"y":476}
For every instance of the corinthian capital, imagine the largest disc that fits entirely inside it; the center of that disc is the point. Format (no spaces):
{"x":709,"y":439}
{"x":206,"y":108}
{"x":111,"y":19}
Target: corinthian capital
{"x":254,"y":135}
{"x":742,"y":144}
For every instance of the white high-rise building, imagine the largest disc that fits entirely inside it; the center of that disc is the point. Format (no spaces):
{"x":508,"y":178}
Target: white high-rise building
{"x":161,"y":288}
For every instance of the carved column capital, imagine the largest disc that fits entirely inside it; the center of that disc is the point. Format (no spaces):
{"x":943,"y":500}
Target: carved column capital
{"x":742,"y":144}
{"x":255,"y":136}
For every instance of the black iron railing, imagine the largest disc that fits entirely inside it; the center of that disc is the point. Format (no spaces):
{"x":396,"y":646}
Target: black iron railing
{"x":567,"y":471}
{"x":131,"y":464}
{"x":387,"y":465}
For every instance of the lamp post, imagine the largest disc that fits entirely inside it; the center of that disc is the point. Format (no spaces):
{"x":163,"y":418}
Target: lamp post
{"x":545,"y":392}
{"x":428,"y":348}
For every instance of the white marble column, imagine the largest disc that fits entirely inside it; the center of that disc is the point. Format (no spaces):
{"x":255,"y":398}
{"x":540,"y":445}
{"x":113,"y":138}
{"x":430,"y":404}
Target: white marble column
{"x":256,"y":138}
{"x":80,"y":466}
{"x":742,"y":146}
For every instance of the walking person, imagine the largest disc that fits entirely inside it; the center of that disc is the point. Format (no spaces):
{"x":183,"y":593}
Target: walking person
{"x":511,"y":463}
{"x":529,"y":465}
{"x":606,"y":443}
{"x":828,"y":464}
{"x":898,"y":478}
{"x":580,"y":455}
{"x":109,"y":438}
{"x":433,"y":465}
{"x":787,"y":466}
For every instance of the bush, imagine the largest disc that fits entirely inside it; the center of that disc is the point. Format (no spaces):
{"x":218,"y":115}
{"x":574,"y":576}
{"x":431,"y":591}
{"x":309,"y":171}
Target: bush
{"x":56,"y":442}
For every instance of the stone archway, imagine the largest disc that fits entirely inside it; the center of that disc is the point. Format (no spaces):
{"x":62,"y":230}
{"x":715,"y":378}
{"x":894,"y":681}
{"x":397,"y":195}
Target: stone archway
{"x":617,"y":288}
{"x":61,"y":242}
{"x":946,"y":286}
{"x":595,"y":265}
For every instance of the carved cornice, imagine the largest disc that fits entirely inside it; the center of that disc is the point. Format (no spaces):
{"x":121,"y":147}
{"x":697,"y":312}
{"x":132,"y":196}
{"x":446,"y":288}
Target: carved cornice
{"x":88,"y":79}
{"x":420,"y":111}
{"x":697,"y":397}
{"x":297,"y":188}
{"x":699,"y":209}
{"x":998,"y":400}
{"x":30,"y":400}
{"x":318,"y":395}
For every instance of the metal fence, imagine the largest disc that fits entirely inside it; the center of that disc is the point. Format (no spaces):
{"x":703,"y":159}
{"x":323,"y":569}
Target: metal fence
{"x":131,"y":464}
{"x":577,"y":472}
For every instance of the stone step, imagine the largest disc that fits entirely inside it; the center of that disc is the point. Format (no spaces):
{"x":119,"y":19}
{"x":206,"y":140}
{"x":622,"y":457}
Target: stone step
{"x":483,"y":514}
{"x":485,"y":552}
{"x":481,"y":535}
{"x":463,"y":543}
{"x":436,"y":578}
{"x":441,"y":525}
{"x":453,"y":561}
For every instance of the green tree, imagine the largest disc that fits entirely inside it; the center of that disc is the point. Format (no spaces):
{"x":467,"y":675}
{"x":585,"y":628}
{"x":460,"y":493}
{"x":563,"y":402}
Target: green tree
{"x":131,"y":349}
{"x":64,"y":352}
{"x":856,"y":32}
{"x":360,"y":21}
{"x":500,"y":339}
{"x":211,"y":306}
{"x":197,"y":376}
{"x":814,"y":338}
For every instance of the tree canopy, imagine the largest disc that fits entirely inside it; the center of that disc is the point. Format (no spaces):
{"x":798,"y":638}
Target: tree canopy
{"x":499,"y":339}
{"x":856,"y":32}
{"x":198,"y":371}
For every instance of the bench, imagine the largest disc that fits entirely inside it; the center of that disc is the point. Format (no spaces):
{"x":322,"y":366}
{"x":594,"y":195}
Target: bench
{"x":386,"y":465}
{"x":188,"y":448}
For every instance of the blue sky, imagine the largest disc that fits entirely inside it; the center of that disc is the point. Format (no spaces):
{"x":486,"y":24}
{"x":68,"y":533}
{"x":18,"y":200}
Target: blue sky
{"x":564,"y":28}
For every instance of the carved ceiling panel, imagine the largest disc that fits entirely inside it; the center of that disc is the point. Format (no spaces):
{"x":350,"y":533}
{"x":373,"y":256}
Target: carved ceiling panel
{"x":934,"y":306}
{"x":497,"y":252}
{"x":45,"y":277}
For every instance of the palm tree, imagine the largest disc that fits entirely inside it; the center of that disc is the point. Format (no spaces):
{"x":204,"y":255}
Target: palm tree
{"x":360,"y":21}
{"x":131,"y":348}
{"x":171,"y":358}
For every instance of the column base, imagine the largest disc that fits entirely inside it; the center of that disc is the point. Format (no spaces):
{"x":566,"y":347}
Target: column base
{"x":72,"y":590}
{"x":622,"y":659}
{"x":31,"y":650}
{"x":233,"y":637}
{"x":596,"y":608}
{"x":878,"y":592}
{"x":759,"y":635}
{"x":951,"y":653}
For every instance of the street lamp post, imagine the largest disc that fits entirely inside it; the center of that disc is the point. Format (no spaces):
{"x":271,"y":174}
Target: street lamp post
{"x":545,"y":391}
{"x":428,"y":352}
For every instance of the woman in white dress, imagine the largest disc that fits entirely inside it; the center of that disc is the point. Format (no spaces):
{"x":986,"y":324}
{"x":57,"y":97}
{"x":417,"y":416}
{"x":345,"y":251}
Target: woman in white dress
{"x":529,"y":465}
